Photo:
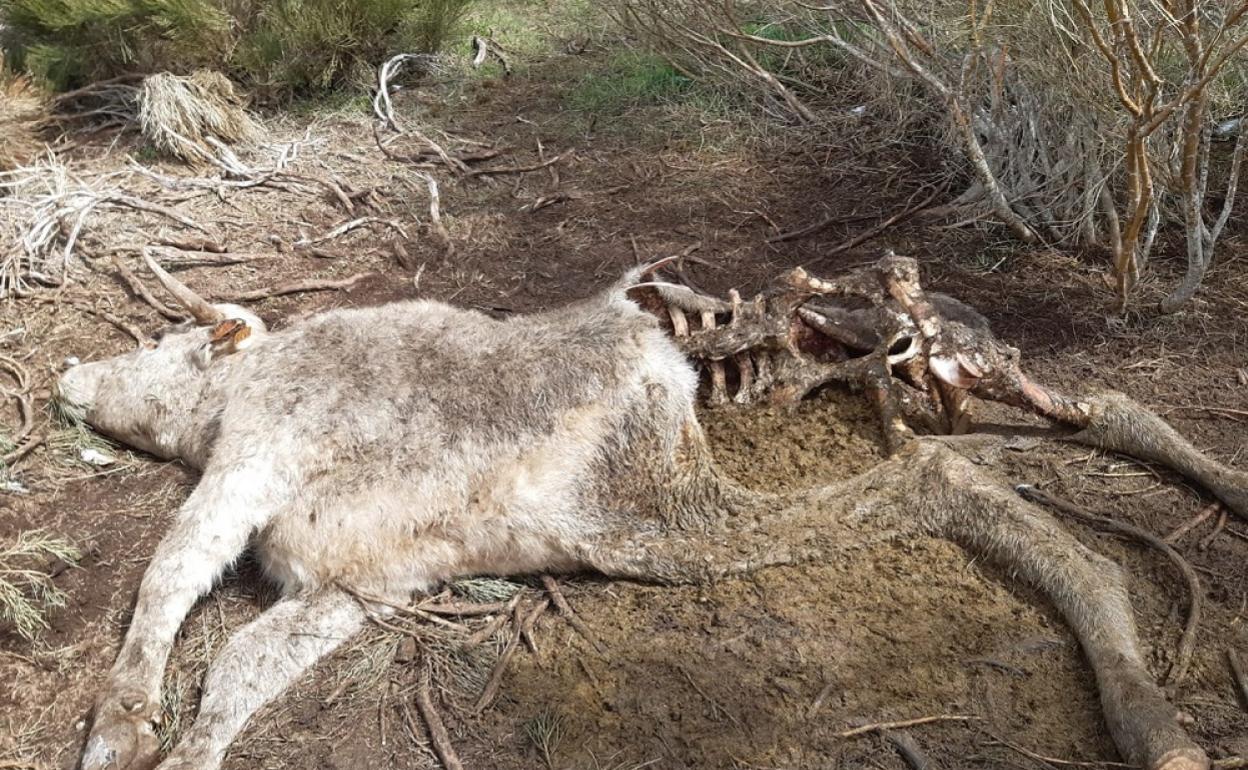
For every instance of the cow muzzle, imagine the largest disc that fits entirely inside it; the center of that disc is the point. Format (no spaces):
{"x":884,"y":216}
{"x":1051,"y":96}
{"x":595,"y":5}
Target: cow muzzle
{"x":76,"y":389}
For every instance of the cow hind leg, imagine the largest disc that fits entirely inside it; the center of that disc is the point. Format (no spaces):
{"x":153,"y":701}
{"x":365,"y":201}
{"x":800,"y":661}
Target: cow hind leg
{"x":985,"y":516}
{"x":930,"y":489}
{"x":258,"y":663}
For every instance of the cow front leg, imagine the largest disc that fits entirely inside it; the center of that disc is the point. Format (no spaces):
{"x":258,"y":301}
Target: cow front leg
{"x":209,"y":532}
{"x":259,"y":662}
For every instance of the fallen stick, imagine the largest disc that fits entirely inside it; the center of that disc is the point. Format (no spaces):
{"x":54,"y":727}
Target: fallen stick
{"x":21,"y":438}
{"x":25,"y":447}
{"x":454,"y":608}
{"x":190,"y":259}
{"x":811,"y":229}
{"x":437,"y":730}
{"x":1187,"y":526}
{"x":715,"y":705}
{"x":875,"y":726}
{"x":311,"y":284}
{"x":1187,"y":642}
{"x":140,"y":338}
{"x":154,"y":208}
{"x":196,"y":244}
{"x":526,"y":629}
{"x":496,"y":676}
{"x":908,"y":748}
{"x":552,"y":587}
{"x":873,"y":232}
{"x":435,"y":211}
{"x":519,"y":169}
{"x":491,"y":628}
{"x":1241,"y":677}
{"x":141,"y":291}
{"x":354,"y":224}
{"x":1026,"y":752}
{"x":1207,"y":540}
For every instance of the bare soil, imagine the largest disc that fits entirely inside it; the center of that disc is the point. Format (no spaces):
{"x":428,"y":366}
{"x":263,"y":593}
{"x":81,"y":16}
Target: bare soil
{"x":751,"y":673}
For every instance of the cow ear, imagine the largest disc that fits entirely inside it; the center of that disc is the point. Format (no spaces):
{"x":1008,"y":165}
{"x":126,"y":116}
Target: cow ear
{"x":229,"y":336}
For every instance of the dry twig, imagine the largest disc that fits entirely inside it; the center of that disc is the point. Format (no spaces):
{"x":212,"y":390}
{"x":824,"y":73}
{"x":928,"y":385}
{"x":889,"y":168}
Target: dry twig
{"x":490,"y":691}
{"x":295,"y":287}
{"x":552,"y":587}
{"x":1204,"y":513}
{"x":519,"y":169}
{"x":438,"y":735}
{"x":1240,"y":675}
{"x":874,"y":726}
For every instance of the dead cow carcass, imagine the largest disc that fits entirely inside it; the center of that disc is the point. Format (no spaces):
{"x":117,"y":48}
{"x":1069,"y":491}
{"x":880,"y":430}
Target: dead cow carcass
{"x":378,"y":452}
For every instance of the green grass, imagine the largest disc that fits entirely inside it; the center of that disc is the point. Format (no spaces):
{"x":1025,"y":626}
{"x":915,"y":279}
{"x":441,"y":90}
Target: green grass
{"x":628,"y":80}
{"x":529,"y":29}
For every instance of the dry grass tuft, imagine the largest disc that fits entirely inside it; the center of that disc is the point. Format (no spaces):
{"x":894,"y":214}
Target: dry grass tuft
{"x":27,"y":592}
{"x":188,"y":116}
{"x":21,"y":109}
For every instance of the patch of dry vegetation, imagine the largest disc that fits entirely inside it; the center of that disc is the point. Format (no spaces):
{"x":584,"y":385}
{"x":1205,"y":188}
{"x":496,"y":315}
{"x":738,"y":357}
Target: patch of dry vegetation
{"x":27,"y":592}
{"x":1074,"y":125}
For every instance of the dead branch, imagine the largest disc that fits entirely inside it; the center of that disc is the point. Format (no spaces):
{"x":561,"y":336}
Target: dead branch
{"x":311,"y":284}
{"x":490,"y":691}
{"x":483,"y":48}
{"x":1240,"y":676}
{"x":552,"y":587}
{"x":23,"y":442}
{"x":520,"y":169}
{"x":1187,"y":642}
{"x":811,"y":229}
{"x":1218,"y":527}
{"x":435,"y":211}
{"x":140,"y":337}
{"x":879,"y":229}
{"x":491,"y":628}
{"x":141,"y":205}
{"x":875,"y":726}
{"x":190,"y":259}
{"x":193,"y":244}
{"x":530,"y":622}
{"x":716,"y":706}
{"x":1026,"y":752}
{"x":908,"y":748}
{"x":141,"y":291}
{"x":455,"y":608}
{"x":1187,"y":526}
{"x":438,"y":735}
{"x":354,"y":224}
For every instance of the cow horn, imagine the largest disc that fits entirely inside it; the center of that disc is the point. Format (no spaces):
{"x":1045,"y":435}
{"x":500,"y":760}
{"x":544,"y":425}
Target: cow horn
{"x":199,"y":307}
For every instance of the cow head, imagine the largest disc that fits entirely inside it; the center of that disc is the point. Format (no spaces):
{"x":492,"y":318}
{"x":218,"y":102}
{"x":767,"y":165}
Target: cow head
{"x":147,"y":398}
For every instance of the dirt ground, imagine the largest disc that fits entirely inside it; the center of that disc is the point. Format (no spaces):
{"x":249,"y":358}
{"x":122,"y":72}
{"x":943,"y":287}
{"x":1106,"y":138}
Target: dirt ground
{"x":752,"y":673}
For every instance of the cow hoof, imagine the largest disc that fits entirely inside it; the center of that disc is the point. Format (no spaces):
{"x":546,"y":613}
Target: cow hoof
{"x":1182,"y":759}
{"x":122,"y":737}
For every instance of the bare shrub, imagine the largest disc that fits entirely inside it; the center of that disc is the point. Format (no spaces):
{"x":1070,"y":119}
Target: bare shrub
{"x":1077,"y":125}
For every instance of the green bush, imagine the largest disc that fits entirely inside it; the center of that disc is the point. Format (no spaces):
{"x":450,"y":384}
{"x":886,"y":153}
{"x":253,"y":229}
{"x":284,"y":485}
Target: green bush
{"x":70,"y":42}
{"x":283,"y":48}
